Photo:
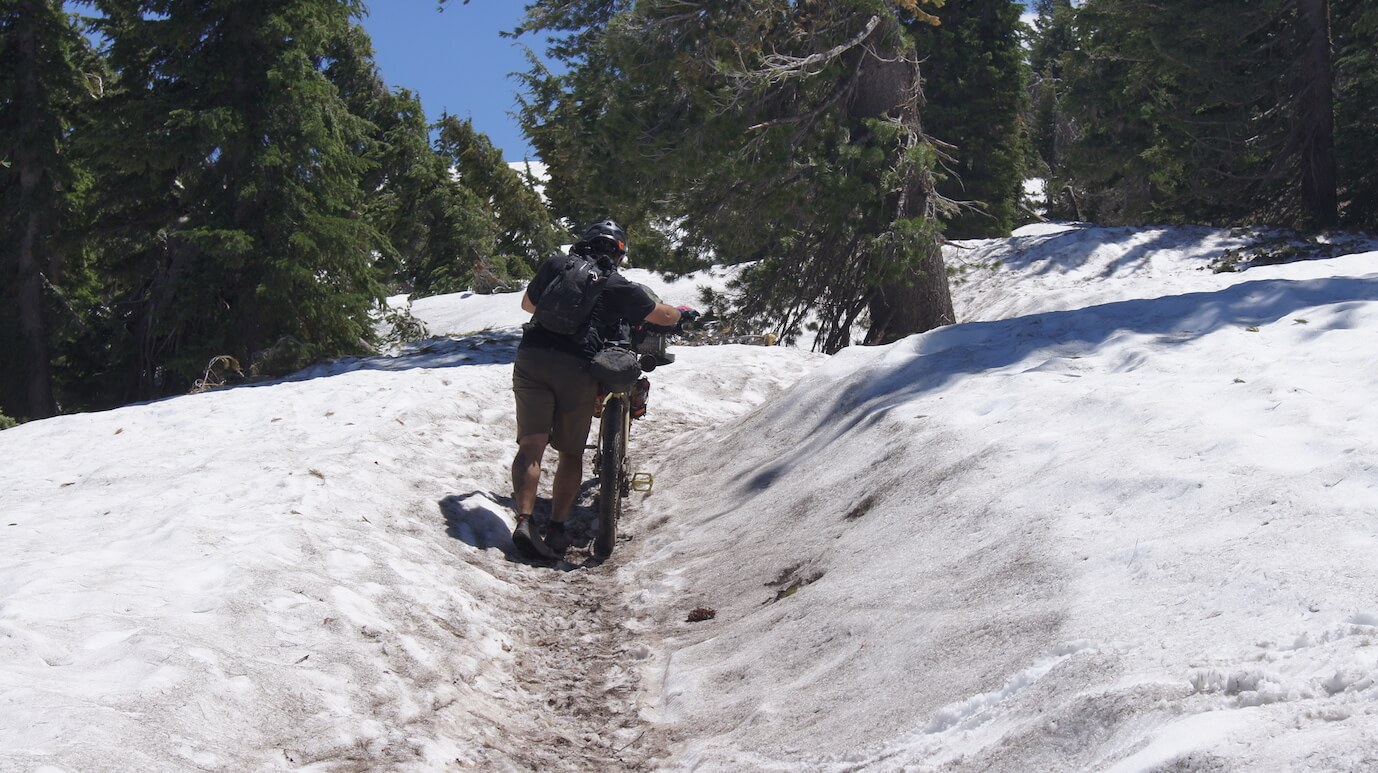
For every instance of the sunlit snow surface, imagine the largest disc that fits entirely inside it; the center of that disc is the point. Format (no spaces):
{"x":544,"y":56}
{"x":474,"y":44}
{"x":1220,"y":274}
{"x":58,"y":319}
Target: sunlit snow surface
{"x":1124,"y":517}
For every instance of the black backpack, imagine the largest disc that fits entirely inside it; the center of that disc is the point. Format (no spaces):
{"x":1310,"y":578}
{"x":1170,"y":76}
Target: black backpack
{"x":568,"y":300}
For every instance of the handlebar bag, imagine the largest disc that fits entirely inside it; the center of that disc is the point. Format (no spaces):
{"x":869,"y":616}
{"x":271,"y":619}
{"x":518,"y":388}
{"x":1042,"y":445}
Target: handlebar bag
{"x":616,"y":369}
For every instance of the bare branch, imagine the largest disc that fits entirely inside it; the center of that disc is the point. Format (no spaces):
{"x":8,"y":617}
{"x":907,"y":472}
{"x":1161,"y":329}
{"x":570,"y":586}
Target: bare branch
{"x":779,"y":67}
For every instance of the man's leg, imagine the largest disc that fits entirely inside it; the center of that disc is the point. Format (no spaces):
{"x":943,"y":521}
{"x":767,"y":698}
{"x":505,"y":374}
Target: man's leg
{"x":569,"y":474}
{"x":526,"y":476}
{"x":526,"y":471}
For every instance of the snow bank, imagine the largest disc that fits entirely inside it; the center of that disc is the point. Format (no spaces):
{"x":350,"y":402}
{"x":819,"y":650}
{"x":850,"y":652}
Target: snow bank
{"x":318,"y":572}
{"x":1129,"y":526}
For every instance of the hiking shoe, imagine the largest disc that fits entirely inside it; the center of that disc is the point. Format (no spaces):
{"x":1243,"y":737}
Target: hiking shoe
{"x":529,"y":542}
{"x":556,"y":538}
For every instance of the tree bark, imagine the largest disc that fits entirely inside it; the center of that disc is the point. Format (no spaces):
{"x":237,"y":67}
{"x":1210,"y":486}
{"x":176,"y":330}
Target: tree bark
{"x":903,"y":310}
{"x":889,"y":87}
{"x":1315,"y":127}
{"x":36,"y":400}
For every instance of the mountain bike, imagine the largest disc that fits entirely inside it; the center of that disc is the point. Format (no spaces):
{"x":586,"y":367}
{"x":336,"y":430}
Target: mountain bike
{"x":616,"y":410}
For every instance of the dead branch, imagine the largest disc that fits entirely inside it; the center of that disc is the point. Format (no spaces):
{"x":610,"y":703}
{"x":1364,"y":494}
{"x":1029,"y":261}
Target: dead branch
{"x":779,"y":67}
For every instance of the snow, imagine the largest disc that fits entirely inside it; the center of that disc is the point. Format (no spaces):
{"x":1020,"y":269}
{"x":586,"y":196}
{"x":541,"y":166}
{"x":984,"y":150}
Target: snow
{"x":537,"y":170}
{"x":1121,"y":518}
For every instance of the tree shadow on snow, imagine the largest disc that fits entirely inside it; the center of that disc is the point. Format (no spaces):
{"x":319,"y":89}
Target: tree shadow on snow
{"x":925,"y":363}
{"x":973,"y":347}
{"x":490,"y":347}
{"x":1068,"y":250}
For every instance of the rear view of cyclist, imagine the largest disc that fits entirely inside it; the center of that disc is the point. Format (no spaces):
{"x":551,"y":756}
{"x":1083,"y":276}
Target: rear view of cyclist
{"x":554,"y":391}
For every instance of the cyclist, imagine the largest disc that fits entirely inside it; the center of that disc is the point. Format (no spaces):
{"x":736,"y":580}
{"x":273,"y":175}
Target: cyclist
{"x":555,"y":393}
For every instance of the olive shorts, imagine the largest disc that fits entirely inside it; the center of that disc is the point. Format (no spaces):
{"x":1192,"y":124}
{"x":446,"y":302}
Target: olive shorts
{"x":555,"y":395}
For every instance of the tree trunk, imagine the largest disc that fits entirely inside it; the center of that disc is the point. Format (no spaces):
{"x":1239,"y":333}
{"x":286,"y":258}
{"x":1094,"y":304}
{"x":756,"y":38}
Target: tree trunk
{"x":889,"y":87}
{"x":36,"y":400}
{"x":900,"y":311}
{"x":1315,"y":127}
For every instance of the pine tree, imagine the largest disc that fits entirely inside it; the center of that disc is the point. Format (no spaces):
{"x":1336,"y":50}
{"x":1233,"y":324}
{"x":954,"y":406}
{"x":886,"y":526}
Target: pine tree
{"x":975,"y":91}
{"x":787,"y":133}
{"x":1103,"y":173}
{"x":42,"y":87}
{"x":1214,"y":112}
{"x":526,"y":234}
{"x":231,"y":170}
{"x":1052,"y":37}
{"x":437,"y":228}
{"x":454,"y":215}
{"x":1312,"y":136}
{"x":434,"y":229}
{"x":1356,"y":110}
{"x":1047,"y":125}
{"x":563,"y":115}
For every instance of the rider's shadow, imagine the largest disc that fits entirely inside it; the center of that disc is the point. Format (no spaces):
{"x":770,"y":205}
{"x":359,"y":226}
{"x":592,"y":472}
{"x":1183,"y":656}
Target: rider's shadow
{"x":475,"y":519}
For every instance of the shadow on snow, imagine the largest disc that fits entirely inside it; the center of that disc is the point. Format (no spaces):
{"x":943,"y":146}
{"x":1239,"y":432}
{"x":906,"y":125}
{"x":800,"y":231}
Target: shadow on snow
{"x":474,"y":519}
{"x":490,"y":347}
{"x":925,"y":363}
{"x":1067,"y":250}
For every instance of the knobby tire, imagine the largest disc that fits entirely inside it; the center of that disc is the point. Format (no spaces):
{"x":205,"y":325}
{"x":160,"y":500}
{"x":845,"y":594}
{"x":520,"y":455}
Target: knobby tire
{"x":612,"y":444}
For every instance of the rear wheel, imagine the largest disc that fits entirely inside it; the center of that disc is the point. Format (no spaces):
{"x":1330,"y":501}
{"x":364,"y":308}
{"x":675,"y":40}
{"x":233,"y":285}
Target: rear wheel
{"x":612,"y":453}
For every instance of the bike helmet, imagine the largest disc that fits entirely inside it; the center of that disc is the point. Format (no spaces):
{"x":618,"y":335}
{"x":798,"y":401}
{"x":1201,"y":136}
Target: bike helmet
{"x":605,"y":237}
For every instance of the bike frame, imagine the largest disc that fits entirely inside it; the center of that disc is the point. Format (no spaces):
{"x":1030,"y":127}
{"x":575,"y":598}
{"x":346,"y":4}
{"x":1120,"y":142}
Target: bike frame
{"x":610,"y":463}
{"x":616,"y":481}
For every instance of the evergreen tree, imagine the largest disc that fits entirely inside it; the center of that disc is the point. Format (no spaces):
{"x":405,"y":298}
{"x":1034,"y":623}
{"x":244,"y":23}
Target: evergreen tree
{"x":1356,"y":110}
{"x":526,"y":234}
{"x":1214,"y":112}
{"x":782,"y":132}
{"x":975,"y":92}
{"x":454,"y":215}
{"x":1052,"y":37}
{"x":1106,"y":91}
{"x":1311,"y":135}
{"x":437,"y":228}
{"x":42,"y":87}
{"x":1047,"y":126}
{"x":434,"y":229}
{"x":232,"y":208}
{"x":563,"y":116}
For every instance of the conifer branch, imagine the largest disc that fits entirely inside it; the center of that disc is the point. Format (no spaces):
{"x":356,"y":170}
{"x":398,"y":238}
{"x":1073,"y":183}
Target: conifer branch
{"x":779,"y":67}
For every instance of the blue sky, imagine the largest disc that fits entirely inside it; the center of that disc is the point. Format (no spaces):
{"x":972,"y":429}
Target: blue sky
{"x":455,"y":61}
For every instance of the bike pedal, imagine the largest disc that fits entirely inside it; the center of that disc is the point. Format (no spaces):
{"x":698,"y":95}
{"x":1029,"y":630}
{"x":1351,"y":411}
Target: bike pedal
{"x":643,"y":481}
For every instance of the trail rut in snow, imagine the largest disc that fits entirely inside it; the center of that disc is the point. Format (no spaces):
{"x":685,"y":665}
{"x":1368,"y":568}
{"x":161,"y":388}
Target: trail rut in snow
{"x":575,"y":664}
{"x":583,"y":642}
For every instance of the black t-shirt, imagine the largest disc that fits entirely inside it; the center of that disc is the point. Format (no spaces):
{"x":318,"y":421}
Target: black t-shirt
{"x":621,"y":303}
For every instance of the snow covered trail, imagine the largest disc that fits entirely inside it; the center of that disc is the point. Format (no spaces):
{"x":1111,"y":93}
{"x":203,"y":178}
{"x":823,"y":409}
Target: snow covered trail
{"x":279,"y":576}
{"x":263,"y":576}
{"x":1121,"y":518}
{"x":317,"y":573}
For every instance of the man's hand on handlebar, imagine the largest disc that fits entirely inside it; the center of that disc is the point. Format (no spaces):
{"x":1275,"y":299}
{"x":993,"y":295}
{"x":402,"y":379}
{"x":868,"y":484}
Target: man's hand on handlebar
{"x":687,"y":316}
